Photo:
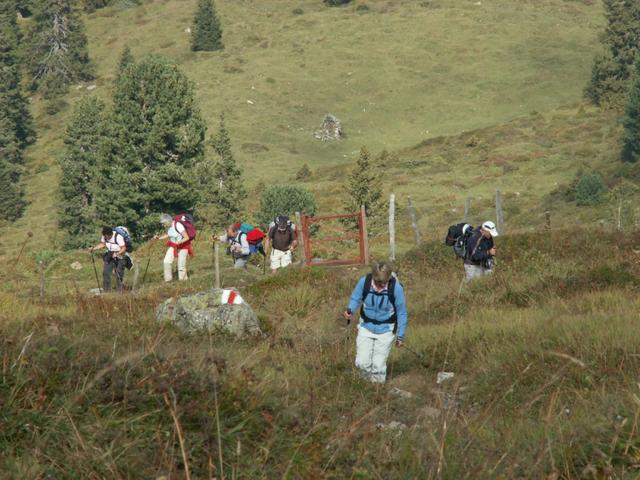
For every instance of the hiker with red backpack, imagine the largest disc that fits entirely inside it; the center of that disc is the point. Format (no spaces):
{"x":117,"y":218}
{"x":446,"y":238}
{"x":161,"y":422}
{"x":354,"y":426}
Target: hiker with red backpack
{"x":382,"y":319}
{"x":244,"y":240}
{"x":180,"y":233}
{"x":282,"y":240}
{"x":118,"y":243}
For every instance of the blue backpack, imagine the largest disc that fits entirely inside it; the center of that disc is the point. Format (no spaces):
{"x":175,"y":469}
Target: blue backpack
{"x":124,"y":233}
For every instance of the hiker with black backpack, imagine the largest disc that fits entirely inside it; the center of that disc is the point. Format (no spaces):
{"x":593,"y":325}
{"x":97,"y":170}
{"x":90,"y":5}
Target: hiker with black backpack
{"x":282,"y":240}
{"x":118,"y":243}
{"x":180,"y":233}
{"x":382,"y":319}
{"x":480,"y":252}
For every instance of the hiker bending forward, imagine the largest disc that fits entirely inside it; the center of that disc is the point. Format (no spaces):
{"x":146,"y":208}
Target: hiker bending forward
{"x":238,"y":246}
{"x":114,"y":258}
{"x":178,"y":245}
{"x":383,"y":314}
{"x":480,"y":252}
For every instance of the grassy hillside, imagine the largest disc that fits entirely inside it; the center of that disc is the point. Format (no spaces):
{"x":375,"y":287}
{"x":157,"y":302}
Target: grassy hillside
{"x":544,"y":356}
{"x":395,"y":72}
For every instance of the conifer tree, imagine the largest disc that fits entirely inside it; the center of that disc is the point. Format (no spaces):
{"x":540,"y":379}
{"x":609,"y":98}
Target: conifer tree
{"x":631,"y":121}
{"x":58,"y":52}
{"x":156,"y":139}
{"x":227,"y":190}
{"x":621,"y":39}
{"x":206,"y":33}
{"x":83,"y":143}
{"x":24,"y":7}
{"x":364,"y":186}
{"x":13,"y":104}
{"x":126,"y":59}
{"x":11,"y":190}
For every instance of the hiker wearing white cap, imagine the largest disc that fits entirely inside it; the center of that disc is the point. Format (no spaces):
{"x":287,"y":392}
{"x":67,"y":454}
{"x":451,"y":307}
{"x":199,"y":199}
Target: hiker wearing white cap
{"x":480,"y":252}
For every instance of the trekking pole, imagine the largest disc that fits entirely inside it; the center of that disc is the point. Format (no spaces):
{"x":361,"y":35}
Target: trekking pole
{"x":24,"y":244}
{"x":95,"y":271}
{"x":419,"y":355}
{"x":146,"y":268}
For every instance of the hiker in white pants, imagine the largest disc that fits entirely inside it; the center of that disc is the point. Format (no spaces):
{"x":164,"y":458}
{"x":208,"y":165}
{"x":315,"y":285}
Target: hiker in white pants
{"x":178,"y":245}
{"x":383,"y":314}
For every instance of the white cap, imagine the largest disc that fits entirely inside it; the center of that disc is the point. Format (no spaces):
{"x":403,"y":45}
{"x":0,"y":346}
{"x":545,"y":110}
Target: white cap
{"x":490,"y":227}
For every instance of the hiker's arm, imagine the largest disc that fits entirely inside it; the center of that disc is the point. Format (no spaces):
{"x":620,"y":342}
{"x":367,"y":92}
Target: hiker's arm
{"x":161,"y":237}
{"x":356,"y":296}
{"x":401,"y":310}
{"x":97,"y":247}
{"x":267,"y":241}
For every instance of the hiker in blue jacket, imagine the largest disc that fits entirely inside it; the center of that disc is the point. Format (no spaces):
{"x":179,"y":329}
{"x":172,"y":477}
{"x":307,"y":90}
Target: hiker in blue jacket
{"x":382,"y":316}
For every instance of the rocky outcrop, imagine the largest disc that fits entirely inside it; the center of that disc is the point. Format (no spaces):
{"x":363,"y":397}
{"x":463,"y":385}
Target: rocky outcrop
{"x":215,"y":310}
{"x":331,"y":129}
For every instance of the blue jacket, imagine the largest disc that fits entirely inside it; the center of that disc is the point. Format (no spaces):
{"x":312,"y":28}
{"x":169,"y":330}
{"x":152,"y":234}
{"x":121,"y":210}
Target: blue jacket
{"x":478,"y":248}
{"x":380,"y":308}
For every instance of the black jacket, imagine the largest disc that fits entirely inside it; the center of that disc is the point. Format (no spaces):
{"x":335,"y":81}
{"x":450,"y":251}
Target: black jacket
{"x":478,"y":248}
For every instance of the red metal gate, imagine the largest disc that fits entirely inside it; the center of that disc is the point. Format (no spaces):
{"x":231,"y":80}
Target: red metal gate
{"x":307,"y":242}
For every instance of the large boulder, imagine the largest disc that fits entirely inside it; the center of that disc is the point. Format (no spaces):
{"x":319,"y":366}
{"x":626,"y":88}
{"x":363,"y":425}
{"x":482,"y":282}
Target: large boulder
{"x":331,"y":129}
{"x":210,"y":311}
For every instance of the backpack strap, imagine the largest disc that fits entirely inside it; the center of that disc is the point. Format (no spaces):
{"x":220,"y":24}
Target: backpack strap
{"x":391,"y":287}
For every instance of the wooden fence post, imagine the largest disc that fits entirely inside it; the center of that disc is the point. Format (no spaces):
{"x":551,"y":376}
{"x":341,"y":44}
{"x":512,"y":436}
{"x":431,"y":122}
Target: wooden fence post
{"x":42,"y":280}
{"x":414,"y":221}
{"x":499,"y":214}
{"x":216,"y":264}
{"x":467,"y":206}
{"x":300,"y":238}
{"x":364,"y":236}
{"x":306,"y":242}
{"x":392,"y":227}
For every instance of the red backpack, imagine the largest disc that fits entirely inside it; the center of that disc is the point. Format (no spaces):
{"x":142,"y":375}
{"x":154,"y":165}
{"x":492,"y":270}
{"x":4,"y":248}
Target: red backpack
{"x":255,"y":236}
{"x":187,"y":222}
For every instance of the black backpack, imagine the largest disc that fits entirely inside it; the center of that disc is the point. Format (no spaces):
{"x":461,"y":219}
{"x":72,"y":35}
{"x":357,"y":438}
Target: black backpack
{"x":391,"y":294}
{"x":274,"y":226}
{"x":457,"y":237}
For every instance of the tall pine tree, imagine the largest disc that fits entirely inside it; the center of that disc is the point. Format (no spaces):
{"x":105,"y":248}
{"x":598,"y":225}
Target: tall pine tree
{"x":631,"y":121}
{"x":225,"y":187}
{"x":365,"y":186}
{"x":621,"y":40}
{"x":148,"y":163}
{"x":206,"y":33}
{"x":13,"y":104}
{"x":84,"y":142}
{"x":126,"y":59}
{"x":57,"y":53}
{"x":11,"y":190}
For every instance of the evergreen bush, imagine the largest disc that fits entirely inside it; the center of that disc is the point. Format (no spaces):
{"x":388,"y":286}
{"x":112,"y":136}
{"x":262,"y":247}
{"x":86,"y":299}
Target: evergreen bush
{"x":206,"y":33}
{"x":285,"y":200}
{"x":590,"y":190}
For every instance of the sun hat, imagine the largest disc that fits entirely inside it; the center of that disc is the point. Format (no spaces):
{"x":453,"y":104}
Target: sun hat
{"x":490,"y":227}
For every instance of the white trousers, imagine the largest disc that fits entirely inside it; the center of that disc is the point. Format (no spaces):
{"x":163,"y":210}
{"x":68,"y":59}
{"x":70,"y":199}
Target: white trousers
{"x":372,"y":351}
{"x":280,"y":259}
{"x":471,"y":272}
{"x":182,"y":264}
